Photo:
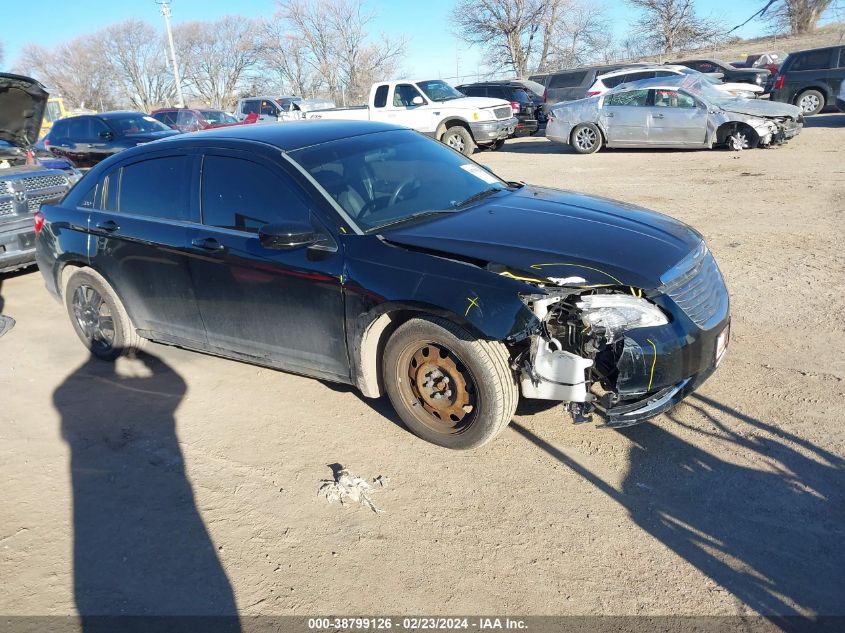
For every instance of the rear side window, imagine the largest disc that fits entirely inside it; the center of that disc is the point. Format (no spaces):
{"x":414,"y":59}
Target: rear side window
{"x":158,"y":188}
{"x":242,"y":195}
{"x":59,"y":129}
{"x":380,"y":99}
{"x":628,"y":98}
{"x":79,"y":128}
{"x":497,"y":92}
{"x":250,"y":107}
{"x":474,"y":91}
{"x":649,"y":74}
{"x":612,"y":82}
{"x":812,"y":60}
{"x":567,"y":80}
{"x":168,"y":118}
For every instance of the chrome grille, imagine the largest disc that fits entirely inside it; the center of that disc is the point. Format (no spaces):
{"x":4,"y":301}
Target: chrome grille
{"x":505,"y":112}
{"x":6,"y":207}
{"x":34,"y":202}
{"x":43,"y":182}
{"x":700,"y":292}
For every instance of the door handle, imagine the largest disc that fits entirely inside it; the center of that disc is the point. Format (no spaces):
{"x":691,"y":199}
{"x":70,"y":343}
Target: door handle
{"x":657,"y":116}
{"x":109,"y":226}
{"x":207,"y":243}
{"x":609,"y":115}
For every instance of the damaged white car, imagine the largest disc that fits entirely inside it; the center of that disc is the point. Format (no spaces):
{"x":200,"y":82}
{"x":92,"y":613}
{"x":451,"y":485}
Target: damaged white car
{"x":683,"y":112}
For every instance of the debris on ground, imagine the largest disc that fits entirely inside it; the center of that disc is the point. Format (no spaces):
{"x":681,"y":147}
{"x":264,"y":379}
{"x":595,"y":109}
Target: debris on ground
{"x":348,"y":488}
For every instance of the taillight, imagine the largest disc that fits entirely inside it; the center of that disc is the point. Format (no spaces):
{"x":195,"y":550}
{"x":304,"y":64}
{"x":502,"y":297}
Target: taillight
{"x":593,"y":93}
{"x":39,"y":221}
{"x":515,"y":107}
{"x":46,"y":142}
{"x":779,"y":81}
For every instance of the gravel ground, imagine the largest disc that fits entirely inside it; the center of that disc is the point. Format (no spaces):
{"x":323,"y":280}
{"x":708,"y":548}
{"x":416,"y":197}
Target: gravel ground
{"x":184,"y":483}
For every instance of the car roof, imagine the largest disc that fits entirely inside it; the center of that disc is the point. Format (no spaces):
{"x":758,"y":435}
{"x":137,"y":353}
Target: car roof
{"x":813,"y":50}
{"x":622,"y":71}
{"x":670,"y":83}
{"x":287,"y":136}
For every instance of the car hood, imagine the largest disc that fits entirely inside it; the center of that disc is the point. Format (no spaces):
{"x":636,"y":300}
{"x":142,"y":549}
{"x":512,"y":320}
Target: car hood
{"x":22,"y":104}
{"x":553,"y":233}
{"x":761,"y":108}
{"x":476,"y":103}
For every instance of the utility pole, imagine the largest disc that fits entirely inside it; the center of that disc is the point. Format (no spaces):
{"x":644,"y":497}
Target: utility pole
{"x":165,"y":11}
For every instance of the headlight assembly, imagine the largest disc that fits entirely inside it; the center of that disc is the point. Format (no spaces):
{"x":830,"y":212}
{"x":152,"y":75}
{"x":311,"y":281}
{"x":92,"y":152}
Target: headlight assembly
{"x":614,"y":313}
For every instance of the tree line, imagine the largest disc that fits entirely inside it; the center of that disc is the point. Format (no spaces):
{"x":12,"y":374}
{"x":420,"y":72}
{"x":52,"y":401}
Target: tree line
{"x":326,"y":48}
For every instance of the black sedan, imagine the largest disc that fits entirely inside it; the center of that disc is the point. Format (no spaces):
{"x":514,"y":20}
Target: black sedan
{"x":368,"y":254}
{"x":88,"y":139}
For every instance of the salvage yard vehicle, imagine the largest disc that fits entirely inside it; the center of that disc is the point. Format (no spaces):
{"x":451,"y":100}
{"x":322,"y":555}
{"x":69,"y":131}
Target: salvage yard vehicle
{"x":754,"y":76}
{"x":683,"y":112}
{"x":572,"y":84}
{"x":436,"y":109}
{"x":368,"y":254}
{"x":612,"y":79}
{"x":86,"y":140}
{"x":191,"y":120}
{"x":24,"y":183}
{"x":810,"y":79}
{"x":521,"y":103}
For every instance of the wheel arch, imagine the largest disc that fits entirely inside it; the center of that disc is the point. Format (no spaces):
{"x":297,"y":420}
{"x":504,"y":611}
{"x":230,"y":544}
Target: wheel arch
{"x":824,"y":89}
{"x":367,"y":348}
{"x":451,"y":121}
{"x":729,"y":127}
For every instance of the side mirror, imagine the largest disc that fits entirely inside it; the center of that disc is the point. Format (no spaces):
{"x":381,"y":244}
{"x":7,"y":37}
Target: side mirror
{"x":418,"y":100}
{"x":288,"y":235}
{"x":106,"y":135}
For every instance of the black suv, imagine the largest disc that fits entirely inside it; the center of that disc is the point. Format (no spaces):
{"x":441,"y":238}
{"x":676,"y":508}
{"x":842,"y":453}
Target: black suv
{"x":810,"y":79}
{"x":518,"y":96}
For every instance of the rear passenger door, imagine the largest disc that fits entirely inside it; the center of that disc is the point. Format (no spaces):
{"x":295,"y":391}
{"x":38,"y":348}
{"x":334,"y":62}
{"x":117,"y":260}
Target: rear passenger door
{"x":284,"y":307}
{"x":625,"y":117}
{"x":139,"y":230}
{"x":837,"y":73}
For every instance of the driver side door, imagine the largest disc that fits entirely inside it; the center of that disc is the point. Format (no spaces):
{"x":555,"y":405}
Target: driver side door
{"x":402,"y":110}
{"x":676,"y":118}
{"x":281,"y":307}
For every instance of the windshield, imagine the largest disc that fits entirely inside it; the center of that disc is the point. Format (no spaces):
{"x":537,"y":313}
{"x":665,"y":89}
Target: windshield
{"x":130,"y":124}
{"x":438,"y":90}
{"x":391,"y":177}
{"x":217,"y":117}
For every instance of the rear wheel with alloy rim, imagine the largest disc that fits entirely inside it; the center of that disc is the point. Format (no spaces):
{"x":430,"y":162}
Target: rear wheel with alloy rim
{"x":98,"y":316}
{"x":810,"y":102}
{"x":447,"y":386}
{"x":586,"y":138}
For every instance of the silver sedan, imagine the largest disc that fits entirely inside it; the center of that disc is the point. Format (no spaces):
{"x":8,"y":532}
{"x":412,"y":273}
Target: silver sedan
{"x":682,"y":111}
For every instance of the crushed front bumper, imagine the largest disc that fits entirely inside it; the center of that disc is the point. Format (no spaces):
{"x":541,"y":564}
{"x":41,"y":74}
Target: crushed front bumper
{"x":492,"y":131}
{"x":17,"y":243}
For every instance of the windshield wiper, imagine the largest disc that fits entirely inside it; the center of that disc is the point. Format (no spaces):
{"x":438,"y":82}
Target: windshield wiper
{"x":413,"y":216}
{"x":479,"y":196}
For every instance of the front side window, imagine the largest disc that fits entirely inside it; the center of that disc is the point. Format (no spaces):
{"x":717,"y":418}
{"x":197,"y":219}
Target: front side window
{"x":157,"y":188}
{"x":79,"y":128}
{"x":131,"y":124}
{"x":628,"y":98}
{"x":242,"y":195}
{"x":672,"y":99}
{"x":250,"y":107}
{"x":383,"y":178}
{"x":187,"y":120}
{"x":269,"y":108}
{"x":404,"y":94}
{"x":168,"y":118}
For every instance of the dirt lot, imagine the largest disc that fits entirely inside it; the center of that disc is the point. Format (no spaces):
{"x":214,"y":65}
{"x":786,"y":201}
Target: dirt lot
{"x":188,"y":484}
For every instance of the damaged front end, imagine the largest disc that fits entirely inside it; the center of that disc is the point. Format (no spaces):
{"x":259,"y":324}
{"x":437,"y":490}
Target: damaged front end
{"x":628,"y":352}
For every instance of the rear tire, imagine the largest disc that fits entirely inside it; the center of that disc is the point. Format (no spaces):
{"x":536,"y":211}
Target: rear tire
{"x":586,"y":138}
{"x":449,"y":388}
{"x":497,"y":145}
{"x":460,"y":139}
{"x":810,"y":101}
{"x":98,"y":316}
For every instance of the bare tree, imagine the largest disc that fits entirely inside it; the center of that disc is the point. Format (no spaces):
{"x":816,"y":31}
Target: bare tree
{"x":75,"y":70}
{"x":217,"y":56}
{"x":333,"y":42}
{"x":285,"y":58}
{"x":581,"y":37}
{"x":671,"y":25}
{"x":135,"y":52}
{"x":796,"y":16}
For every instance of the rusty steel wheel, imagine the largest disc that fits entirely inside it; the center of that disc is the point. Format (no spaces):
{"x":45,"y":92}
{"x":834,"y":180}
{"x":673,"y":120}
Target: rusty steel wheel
{"x":449,"y":387}
{"x":440,"y":384}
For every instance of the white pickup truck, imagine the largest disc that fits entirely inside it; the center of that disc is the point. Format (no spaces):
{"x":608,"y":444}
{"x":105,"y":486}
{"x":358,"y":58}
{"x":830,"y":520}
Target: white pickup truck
{"x":435,"y":108}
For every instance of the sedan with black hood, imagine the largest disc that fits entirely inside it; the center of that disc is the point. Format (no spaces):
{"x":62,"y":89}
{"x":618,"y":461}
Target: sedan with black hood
{"x":369,"y":254}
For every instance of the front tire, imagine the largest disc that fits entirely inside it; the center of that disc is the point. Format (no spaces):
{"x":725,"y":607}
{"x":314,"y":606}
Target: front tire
{"x":810,"y":101}
{"x":449,"y":388}
{"x":98,"y":316}
{"x":586,"y":138}
{"x":460,"y":139}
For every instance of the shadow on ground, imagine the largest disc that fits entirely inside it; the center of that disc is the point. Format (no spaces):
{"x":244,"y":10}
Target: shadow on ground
{"x":140,"y":546}
{"x":770,"y":534}
{"x":828,"y":119}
